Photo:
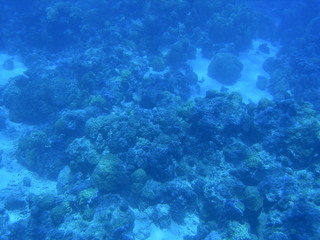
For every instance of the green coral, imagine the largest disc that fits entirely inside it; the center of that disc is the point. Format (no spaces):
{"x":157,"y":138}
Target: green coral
{"x":108,"y":175}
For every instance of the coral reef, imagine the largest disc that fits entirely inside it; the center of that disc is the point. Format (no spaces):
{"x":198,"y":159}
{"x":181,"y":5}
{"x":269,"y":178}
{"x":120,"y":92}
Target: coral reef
{"x":110,"y":112}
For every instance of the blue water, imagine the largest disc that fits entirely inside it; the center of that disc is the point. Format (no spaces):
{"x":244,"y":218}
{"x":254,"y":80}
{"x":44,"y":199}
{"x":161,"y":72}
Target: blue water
{"x":159,"y":120}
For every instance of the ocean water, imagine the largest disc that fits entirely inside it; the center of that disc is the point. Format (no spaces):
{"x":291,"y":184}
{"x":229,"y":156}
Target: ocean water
{"x":159,"y":120}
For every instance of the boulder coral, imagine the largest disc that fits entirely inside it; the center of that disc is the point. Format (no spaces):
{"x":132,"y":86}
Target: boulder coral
{"x":225,"y":68}
{"x":252,"y":198}
{"x":108,"y":175}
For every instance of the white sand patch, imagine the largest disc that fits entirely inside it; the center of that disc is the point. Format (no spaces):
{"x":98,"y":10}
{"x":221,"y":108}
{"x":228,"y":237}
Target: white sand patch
{"x":6,"y":73}
{"x":252,"y":68}
{"x":17,"y":215}
{"x":12,"y":179}
{"x":5,"y":178}
{"x":13,"y":175}
{"x":146,"y":229}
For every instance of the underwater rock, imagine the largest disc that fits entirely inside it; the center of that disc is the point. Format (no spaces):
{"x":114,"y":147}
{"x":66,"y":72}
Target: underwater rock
{"x":15,"y":202}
